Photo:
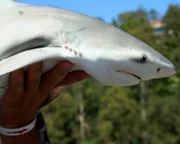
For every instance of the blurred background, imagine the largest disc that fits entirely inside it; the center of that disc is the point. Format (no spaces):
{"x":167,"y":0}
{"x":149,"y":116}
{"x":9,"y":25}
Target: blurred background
{"x":149,"y":113}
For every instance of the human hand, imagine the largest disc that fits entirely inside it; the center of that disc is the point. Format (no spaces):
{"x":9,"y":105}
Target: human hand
{"x":26,"y":92}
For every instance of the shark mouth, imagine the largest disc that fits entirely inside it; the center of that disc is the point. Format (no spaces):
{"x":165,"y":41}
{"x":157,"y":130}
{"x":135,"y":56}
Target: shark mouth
{"x":129,"y":74}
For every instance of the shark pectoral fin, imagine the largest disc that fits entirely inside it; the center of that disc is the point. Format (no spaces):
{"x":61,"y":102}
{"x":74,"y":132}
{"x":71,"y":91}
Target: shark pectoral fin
{"x":28,"y":57}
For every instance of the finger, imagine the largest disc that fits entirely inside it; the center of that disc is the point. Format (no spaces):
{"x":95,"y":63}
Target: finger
{"x":16,"y":84}
{"x":33,"y":77}
{"x":74,"y":77}
{"x":71,"y":78}
{"x":56,"y":92}
{"x":52,"y":95}
{"x":55,"y":76}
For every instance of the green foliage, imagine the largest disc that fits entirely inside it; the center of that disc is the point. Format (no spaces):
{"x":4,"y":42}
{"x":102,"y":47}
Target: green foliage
{"x":163,"y":120}
{"x":136,"y":23}
{"x":61,"y":117}
{"x":153,"y":14}
{"x":118,"y":117}
{"x":88,"y":113}
{"x":172,"y":18}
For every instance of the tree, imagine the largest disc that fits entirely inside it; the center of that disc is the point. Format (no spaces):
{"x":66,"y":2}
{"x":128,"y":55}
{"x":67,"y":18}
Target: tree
{"x":153,"y":14}
{"x":172,"y":19}
{"x":119,"y":118}
{"x":62,"y":121}
{"x":137,"y":24}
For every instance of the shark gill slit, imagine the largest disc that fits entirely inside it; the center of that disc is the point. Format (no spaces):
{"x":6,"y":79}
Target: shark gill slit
{"x":70,"y":38}
{"x":76,"y":53}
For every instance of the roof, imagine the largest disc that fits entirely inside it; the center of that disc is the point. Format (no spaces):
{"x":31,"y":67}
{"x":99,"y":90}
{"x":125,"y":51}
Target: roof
{"x":157,"y":23}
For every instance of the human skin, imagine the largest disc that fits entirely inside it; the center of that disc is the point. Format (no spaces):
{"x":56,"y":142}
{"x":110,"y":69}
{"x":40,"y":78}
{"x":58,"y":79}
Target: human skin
{"x":26,"y":92}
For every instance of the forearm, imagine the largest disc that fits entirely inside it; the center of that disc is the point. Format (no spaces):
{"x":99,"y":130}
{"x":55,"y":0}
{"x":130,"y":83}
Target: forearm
{"x":31,"y":137}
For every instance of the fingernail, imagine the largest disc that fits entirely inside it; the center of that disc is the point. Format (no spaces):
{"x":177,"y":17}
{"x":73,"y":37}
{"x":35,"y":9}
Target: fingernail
{"x":67,"y":65}
{"x":84,"y":74}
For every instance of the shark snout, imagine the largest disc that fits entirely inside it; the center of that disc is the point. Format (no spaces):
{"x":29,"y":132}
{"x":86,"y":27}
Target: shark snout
{"x":166,"y":71}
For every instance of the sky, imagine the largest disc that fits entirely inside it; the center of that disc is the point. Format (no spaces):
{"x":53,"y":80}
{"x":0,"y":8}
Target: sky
{"x":106,"y":9}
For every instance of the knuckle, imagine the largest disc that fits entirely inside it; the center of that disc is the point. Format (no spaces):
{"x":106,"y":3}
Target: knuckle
{"x":16,"y":74}
{"x":34,"y":81}
{"x":63,"y":69}
{"x":17,"y":85}
{"x":17,"y":104}
{"x":59,"y":79}
{"x":58,"y":75}
{"x":60,"y":71}
{"x":38,"y":68}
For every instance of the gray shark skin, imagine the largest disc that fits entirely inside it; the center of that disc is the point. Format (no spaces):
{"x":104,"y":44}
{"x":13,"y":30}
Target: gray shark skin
{"x":31,"y":34}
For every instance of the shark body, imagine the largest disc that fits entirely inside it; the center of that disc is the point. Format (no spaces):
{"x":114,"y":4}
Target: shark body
{"x":31,"y":33}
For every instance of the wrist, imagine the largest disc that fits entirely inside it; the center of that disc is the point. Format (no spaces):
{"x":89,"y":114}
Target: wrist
{"x":31,"y":137}
{"x":18,"y":130}
{"x":16,"y":120}
{"x":10,"y":123}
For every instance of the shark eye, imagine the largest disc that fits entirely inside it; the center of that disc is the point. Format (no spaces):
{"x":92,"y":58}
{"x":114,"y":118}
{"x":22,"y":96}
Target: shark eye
{"x":143,"y":58}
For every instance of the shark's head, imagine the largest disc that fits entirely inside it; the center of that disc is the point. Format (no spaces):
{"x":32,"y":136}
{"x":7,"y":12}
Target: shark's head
{"x":124,"y":60}
{"x":137,"y":63}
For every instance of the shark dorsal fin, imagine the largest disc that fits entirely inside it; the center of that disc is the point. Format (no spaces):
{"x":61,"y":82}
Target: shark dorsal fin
{"x":8,"y":4}
{"x":7,"y":1}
